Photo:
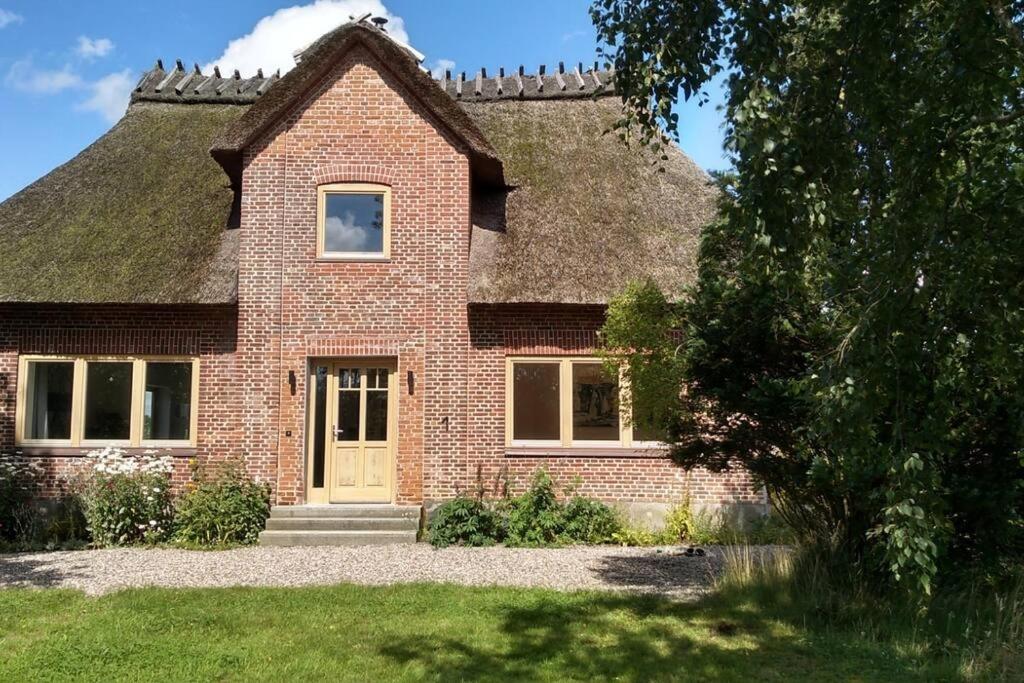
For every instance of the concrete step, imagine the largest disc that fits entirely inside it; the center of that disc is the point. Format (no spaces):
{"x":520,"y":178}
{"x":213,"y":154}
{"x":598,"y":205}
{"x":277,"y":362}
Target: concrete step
{"x":380,"y":511}
{"x":337,"y":538}
{"x":342,"y":524}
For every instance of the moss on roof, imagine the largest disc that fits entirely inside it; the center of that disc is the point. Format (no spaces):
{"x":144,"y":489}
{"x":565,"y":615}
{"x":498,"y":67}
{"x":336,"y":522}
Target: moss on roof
{"x":137,"y":217}
{"x":587,"y":214}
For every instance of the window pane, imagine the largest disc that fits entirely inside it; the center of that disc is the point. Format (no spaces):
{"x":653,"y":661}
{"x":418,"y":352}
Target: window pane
{"x":376,"y":415}
{"x":167,"y":411}
{"x":535,"y":406}
{"x":348,"y":416}
{"x":48,"y":413}
{"x":319,"y":426}
{"x":645,"y":424}
{"x":108,"y":401}
{"x":354,"y":223}
{"x":595,"y":404}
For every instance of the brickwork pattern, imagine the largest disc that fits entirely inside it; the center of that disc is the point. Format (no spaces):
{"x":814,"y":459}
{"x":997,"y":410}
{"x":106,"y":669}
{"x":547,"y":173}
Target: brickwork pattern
{"x":357,"y":125}
{"x":207,"y":332}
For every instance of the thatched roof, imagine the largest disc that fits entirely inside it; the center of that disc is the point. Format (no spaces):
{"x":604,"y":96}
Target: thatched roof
{"x":585,"y":214}
{"x":142,"y":215}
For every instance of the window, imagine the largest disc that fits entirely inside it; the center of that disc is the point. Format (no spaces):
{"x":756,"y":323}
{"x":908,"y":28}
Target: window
{"x":569,"y":402}
{"x":354,"y":221}
{"x":87,"y":401}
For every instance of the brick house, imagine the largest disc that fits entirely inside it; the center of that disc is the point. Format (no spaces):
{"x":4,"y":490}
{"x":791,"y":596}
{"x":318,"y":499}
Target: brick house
{"x":373,"y":286}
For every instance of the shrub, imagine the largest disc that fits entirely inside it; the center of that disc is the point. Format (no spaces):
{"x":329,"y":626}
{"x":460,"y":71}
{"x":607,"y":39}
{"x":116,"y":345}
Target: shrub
{"x":127,"y":499}
{"x":589,"y":521}
{"x":535,"y":518}
{"x":17,"y":480}
{"x":465,"y":520}
{"x":226,"y":507}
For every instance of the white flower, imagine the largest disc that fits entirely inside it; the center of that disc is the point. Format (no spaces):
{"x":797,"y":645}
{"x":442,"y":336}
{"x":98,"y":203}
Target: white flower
{"x":152,"y":522}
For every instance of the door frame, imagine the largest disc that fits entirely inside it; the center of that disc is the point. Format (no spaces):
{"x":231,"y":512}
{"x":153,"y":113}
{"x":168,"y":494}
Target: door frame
{"x":322,"y":495}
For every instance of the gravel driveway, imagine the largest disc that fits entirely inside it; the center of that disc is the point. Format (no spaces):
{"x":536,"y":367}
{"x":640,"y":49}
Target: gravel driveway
{"x":664,"y":571}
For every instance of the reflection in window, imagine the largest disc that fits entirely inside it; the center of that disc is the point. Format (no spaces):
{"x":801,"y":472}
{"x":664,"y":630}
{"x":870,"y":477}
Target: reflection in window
{"x":348,"y":405}
{"x":646,"y":427}
{"x":535,"y":409}
{"x":595,"y":404}
{"x":167,"y":407}
{"x":319,"y":426}
{"x":48,"y":408}
{"x":354,"y":223}
{"x":377,"y":405}
{"x":108,"y":401}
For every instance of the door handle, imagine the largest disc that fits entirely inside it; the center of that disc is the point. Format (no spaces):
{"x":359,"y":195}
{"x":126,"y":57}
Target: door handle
{"x":338,"y":433}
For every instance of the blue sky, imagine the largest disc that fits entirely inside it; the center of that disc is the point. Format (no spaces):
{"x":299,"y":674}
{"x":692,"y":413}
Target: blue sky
{"x":66,"y":67}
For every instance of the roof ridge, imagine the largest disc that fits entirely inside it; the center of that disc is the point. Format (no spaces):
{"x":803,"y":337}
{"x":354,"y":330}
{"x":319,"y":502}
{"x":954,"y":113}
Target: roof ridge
{"x":194,"y":86}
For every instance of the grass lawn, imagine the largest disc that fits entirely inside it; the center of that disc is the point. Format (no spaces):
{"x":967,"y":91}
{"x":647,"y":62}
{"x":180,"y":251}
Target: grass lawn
{"x":418,"y":632}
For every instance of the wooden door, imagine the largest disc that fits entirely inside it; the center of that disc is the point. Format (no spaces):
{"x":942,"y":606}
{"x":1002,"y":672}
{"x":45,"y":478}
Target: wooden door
{"x":361,"y":405}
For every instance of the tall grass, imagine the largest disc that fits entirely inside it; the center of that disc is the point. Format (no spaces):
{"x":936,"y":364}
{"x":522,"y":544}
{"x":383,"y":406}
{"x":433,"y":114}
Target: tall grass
{"x":977,"y":624}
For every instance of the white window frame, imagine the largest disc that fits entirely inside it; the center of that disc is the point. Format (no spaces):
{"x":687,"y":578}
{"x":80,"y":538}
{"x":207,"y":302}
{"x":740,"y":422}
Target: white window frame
{"x":78,"y":389}
{"x":565,"y":440}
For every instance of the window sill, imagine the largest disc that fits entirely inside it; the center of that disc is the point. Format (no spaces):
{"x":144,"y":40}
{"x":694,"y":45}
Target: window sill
{"x":369,"y":258}
{"x":585,"y":452}
{"x":81,"y":451}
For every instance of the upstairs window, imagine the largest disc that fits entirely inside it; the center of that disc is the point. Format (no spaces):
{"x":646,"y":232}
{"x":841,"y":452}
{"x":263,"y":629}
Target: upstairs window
{"x":354,"y":222}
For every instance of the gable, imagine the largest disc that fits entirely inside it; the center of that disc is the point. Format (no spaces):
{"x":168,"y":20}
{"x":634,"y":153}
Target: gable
{"x":318,"y":61}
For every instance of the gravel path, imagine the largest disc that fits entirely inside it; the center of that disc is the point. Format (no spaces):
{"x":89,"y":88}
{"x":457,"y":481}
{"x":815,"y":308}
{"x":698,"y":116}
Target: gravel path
{"x":663,"y":571}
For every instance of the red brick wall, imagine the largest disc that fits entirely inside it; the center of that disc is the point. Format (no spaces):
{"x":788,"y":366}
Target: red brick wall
{"x":357,"y":125}
{"x":629,"y":476}
{"x":207,"y":332}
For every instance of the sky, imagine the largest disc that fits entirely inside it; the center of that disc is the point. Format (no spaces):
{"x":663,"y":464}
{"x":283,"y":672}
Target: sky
{"x":67,"y":67}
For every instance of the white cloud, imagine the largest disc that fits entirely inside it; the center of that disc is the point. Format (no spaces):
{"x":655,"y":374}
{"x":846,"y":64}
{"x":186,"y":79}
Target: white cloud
{"x":89,"y":48}
{"x":275,"y":38}
{"x":109,"y":95}
{"x":7,"y":18}
{"x":23,"y":75}
{"x":439,"y":66}
{"x":343,"y":235}
{"x":573,"y":35}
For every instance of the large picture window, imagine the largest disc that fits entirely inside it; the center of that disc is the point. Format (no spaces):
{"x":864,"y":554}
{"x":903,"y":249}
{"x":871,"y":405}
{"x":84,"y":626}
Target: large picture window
{"x":354,"y":221}
{"x":92,"y":400}
{"x":568,"y":402}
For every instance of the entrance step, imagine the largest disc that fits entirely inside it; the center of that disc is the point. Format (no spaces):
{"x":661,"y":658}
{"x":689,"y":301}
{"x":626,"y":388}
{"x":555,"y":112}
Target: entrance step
{"x":294,"y":538}
{"x":297,"y":525}
{"x":341,"y":524}
{"x":361,"y":510}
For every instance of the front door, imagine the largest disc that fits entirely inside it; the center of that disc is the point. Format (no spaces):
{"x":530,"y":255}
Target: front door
{"x":361,"y":411}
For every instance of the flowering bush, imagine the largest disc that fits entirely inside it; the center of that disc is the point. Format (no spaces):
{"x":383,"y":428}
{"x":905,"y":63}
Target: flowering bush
{"x":17,"y":479}
{"x":127,"y":499}
{"x":222,"y":507}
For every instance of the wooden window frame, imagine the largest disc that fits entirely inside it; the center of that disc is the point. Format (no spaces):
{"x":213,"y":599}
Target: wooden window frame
{"x":78,"y":389}
{"x":565,"y":440}
{"x":352,"y":188}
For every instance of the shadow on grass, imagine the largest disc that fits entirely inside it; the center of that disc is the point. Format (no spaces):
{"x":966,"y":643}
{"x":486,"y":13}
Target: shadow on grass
{"x":641,"y":638}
